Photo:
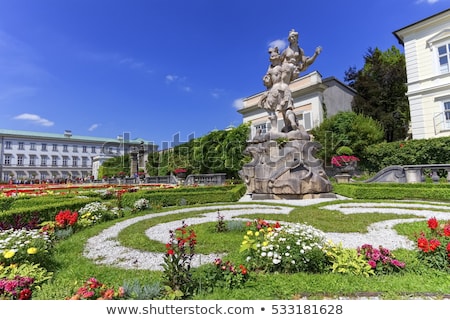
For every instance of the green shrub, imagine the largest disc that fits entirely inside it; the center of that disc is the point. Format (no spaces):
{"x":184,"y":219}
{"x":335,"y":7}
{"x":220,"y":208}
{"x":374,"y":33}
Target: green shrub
{"x":347,"y":261}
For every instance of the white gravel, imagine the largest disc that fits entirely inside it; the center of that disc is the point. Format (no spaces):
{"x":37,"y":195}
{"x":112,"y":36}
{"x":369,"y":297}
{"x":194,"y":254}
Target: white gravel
{"x":105,"y":249}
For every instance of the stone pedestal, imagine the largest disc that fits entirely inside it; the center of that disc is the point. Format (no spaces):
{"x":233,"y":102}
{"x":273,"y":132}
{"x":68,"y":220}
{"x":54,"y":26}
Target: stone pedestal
{"x":285,"y":169}
{"x":343,"y":178}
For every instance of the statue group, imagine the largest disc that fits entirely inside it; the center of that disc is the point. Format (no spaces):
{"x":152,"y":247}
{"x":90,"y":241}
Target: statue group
{"x":283,"y":162}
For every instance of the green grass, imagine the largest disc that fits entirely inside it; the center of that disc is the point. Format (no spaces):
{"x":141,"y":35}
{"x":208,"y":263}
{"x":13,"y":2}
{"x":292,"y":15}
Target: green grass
{"x":71,"y":268}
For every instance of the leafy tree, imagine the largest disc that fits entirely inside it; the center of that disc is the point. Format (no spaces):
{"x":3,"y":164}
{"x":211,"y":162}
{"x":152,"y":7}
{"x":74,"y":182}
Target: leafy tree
{"x":220,"y":151}
{"x":113,"y":166}
{"x":347,"y":128}
{"x":381,"y":88}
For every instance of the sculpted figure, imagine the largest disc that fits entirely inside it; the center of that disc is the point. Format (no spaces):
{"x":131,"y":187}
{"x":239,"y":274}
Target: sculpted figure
{"x":295,"y":57}
{"x":283,"y":69}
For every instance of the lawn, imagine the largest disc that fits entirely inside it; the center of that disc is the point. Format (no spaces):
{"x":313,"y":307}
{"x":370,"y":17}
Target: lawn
{"x":70,"y":268}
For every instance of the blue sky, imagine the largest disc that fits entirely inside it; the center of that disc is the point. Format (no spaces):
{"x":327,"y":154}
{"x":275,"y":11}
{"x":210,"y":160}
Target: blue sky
{"x":160,"y":69}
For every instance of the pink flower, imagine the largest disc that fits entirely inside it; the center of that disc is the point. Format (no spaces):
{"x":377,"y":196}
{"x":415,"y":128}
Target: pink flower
{"x":372,"y":263}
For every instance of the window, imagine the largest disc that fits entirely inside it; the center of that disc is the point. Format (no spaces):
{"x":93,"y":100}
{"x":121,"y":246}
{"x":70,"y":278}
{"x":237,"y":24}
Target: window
{"x":8,"y":145}
{"x":65,"y":161}
{"x":75,"y":162}
{"x":84,"y":162}
{"x":54,"y":161}
{"x":43,"y":161}
{"x":54,"y":147}
{"x":444,"y":58}
{"x":32,"y":160}
{"x":21,"y":146}
{"x":44,"y":147}
{"x":75,"y":148}
{"x":84,"y":149}
{"x":261,"y":128}
{"x":65,"y":148}
{"x":447,"y":114}
{"x":32,"y":146}
{"x":20,"y":160}
{"x":93,"y":149}
{"x":7,"y":159}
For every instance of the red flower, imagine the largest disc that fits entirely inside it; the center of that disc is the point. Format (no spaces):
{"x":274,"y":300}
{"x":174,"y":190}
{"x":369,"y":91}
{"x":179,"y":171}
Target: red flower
{"x":25,"y":294}
{"x":170,"y":252}
{"x":433,"y":223}
{"x":423,"y":245}
{"x":448,"y":247}
{"x":447,"y":230}
{"x":434,"y":244}
{"x":243,"y":269}
{"x":66,"y":218}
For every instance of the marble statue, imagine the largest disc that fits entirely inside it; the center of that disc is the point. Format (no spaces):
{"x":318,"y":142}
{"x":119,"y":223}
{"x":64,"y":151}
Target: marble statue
{"x":283,"y":161}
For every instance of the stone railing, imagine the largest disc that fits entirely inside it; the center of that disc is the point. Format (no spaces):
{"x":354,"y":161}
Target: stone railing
{"x":415,"y":173}
{"x":170,"y":179}
{"x":206,"y":179}
{"x":410,"y":173}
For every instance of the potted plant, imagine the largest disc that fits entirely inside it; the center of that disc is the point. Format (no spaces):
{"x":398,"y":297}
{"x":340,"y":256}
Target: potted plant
{"x":344,"y":160}
{"x":141,"y":174}
{"x":180,"y":172}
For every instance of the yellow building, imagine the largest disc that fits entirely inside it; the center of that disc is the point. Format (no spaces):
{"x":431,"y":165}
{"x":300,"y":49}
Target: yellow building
{"x":314,"y":100}
{"x":427,"y":54}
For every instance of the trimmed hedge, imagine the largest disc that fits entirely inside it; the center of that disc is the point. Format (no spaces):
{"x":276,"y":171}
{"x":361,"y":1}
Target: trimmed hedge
{"x":394,"y":191}
{"x":418,"y":151}
{"x":46,"y":211}
{"x":185,"y":196}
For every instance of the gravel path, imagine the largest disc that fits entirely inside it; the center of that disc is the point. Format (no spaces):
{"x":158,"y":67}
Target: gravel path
{"x":104,"y":248}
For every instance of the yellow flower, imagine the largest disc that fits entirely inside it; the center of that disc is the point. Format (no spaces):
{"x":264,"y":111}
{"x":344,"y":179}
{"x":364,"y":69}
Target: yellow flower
{"x":269,"y":229}
{"x":8,"y":254}
{"x":256,"y":233}
{"x":265,"y":243}
{"x":250,"y":232}
{"x":32,"y":250}
{"x":244,"y":242}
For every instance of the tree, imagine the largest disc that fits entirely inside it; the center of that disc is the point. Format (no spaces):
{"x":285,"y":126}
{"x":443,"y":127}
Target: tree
{"x":381,"y":91}
{"x":349,"y":129}
{"x":114,"y":166}
{"x":220,"y":151}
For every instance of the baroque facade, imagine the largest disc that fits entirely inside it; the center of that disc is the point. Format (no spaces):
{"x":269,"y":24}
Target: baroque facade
{"x":427,"y":53}
{"x":29,"y":156}
{"x":315,"y":98}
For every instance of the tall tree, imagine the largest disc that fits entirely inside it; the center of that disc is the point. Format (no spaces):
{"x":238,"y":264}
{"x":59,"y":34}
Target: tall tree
{"x":381,"y":88}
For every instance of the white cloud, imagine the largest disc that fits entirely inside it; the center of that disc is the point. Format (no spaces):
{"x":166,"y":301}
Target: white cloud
{"x":35,"y":119}
{"x":171,"y":78}
{"x":238,"y":103}
{"x":217,"y":93}
{"x":280,"y":44}
{"x":93,"y":127}
{"x":427,"y":1}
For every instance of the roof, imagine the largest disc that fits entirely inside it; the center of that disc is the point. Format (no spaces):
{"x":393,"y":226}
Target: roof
{"x":400,"y":40}
{"x":46,"y":135}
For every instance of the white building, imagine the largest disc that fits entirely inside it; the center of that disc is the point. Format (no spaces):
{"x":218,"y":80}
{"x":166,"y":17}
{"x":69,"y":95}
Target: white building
{"x":26,"y":155}
{"x":427,"y":54}
{"x":314,"y":100}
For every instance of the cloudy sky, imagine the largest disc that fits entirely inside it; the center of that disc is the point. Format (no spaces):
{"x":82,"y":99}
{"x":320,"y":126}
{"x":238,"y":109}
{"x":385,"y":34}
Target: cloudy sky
{"x":159,"y":69}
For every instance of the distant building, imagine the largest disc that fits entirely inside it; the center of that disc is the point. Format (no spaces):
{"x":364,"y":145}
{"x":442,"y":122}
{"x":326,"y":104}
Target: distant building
{"x":314,"y":100}
{"x":27,"y":156}
{"x":427,"y":54}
